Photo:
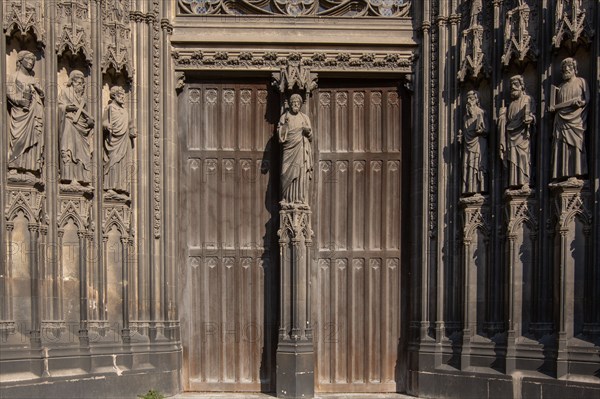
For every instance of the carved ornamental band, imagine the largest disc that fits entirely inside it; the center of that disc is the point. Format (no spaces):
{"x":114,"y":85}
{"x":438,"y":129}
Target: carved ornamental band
{"x":341,"y":8}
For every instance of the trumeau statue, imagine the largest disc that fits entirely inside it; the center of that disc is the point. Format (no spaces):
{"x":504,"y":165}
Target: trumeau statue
{"x":75,"y":127}
{"x":295,"y":134}
{"x":569,"y":103}
{"x":25,"y":96}
{"x":474,"y":136}
{"x":515,"y":128}
{"x":118,"y":133}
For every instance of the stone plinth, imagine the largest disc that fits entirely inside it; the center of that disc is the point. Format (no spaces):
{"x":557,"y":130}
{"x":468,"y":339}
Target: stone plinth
{"x":571,"y":199}
{"x":521,"y":244}
{"x":295,"y":353}
{"x":475,"y":235}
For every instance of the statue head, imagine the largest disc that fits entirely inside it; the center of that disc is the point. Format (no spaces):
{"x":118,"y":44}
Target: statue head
{"x":472,"y":100}
{"x":117,"y":94}
{"x":25,"y":59}
{"x":77,"y":80}
{"x":295,"y":103}
{"x":568,"y":67}
{"x":517,"y":86}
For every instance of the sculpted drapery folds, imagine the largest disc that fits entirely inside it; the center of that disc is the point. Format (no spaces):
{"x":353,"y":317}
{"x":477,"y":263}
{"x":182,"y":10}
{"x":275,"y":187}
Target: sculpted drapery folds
{"x":25,"y":97}
{"x":118,"y":135}
{"x":75,"y":127}
{"x":474,"y":136}
{"x":515,"y":128}
{"x":569,"y":103}
{"x":295,"y":135}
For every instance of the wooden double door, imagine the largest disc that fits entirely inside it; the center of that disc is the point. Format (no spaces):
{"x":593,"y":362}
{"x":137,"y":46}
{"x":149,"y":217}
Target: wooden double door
{"x":230,"y":181}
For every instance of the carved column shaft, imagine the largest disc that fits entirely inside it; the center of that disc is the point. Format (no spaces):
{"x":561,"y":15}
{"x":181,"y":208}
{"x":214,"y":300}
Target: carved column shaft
{"x":595,"y":140}
{"x":83,"y":279}
{"x":35,"y":281}
{"x":142,"y":201}
{"x":421,"y":306}
{"x":445,"y":80}
{"x":58,"y":279}
{"x":475,"y":212}
{"x":571,"y":199}
{"x":125,"y":287}
{"x":8,"y":299}
{"x":4,"y":232}
{"x":295,"y":356}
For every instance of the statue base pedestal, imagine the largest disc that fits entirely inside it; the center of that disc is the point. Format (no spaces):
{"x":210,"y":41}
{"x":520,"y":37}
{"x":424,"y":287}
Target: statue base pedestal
{"x":295,"y":369}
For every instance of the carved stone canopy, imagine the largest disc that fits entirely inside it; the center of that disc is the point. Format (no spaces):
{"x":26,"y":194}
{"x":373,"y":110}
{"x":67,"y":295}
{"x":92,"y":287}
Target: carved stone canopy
{"x":345,"y":8}
{"x":24,"y":16}
{"x":571,"y":22}
{"x":519,"y":41}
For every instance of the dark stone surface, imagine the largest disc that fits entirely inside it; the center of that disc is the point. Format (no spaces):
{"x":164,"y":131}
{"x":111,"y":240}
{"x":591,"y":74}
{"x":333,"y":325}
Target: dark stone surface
{"x":93,"y":376}
{"x":295,"y":371}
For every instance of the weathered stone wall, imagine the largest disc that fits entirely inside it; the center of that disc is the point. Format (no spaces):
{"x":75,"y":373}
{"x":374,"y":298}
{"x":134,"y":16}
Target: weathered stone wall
{"x":86,"y":302}
{"x":506,"y":271}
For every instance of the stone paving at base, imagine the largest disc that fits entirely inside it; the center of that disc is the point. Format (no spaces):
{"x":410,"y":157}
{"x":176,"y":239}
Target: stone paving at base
{"x":208,"y":395}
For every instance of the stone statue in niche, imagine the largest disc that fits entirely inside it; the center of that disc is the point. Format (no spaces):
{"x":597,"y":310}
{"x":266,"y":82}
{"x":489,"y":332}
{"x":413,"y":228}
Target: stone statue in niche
{"x":26,"y":102}
{"x":118,"y":148}
{"x":295,"y":135}
{"x":516,"y":127}
{"x":75,"y":127}
{"x":569,"y":104}
{"x":474,"y":136}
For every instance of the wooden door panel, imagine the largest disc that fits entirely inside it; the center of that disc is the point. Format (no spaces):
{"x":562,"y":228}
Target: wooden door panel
{"x":229,"y":330}
{"x":229,"y":325}
{"x":357,"y":282}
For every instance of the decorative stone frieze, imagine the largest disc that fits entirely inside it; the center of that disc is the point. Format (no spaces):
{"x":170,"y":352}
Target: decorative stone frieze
{"x":321,"y":61}
{"x":294,"y":8}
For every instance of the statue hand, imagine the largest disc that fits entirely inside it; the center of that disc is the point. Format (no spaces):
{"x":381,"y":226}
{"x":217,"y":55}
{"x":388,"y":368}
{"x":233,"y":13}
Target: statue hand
{"x":580,"y":103}
{"x":23,"y":103}
{"x":551,"y":109}
{"x":38,"y":88}
{"x":528,"y":120}
{"x":71,"y":108}
{"x":91,"y":123}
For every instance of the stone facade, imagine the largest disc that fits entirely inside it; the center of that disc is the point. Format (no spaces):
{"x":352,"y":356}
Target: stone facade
{"x":300,"y":197}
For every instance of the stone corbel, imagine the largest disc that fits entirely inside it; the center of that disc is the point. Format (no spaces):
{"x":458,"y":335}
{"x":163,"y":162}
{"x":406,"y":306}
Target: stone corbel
{"x":179,"y":81}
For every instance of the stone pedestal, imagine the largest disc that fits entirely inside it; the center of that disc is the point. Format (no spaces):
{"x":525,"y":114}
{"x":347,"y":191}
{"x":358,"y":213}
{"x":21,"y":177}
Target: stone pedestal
{"x":475,"y":212}
{"x":295,"y":353}
{"x":521,"y":246}
{"x":571,"y":200}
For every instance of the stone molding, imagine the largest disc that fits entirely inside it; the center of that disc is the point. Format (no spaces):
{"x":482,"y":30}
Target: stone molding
{"x":271,"y":60}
